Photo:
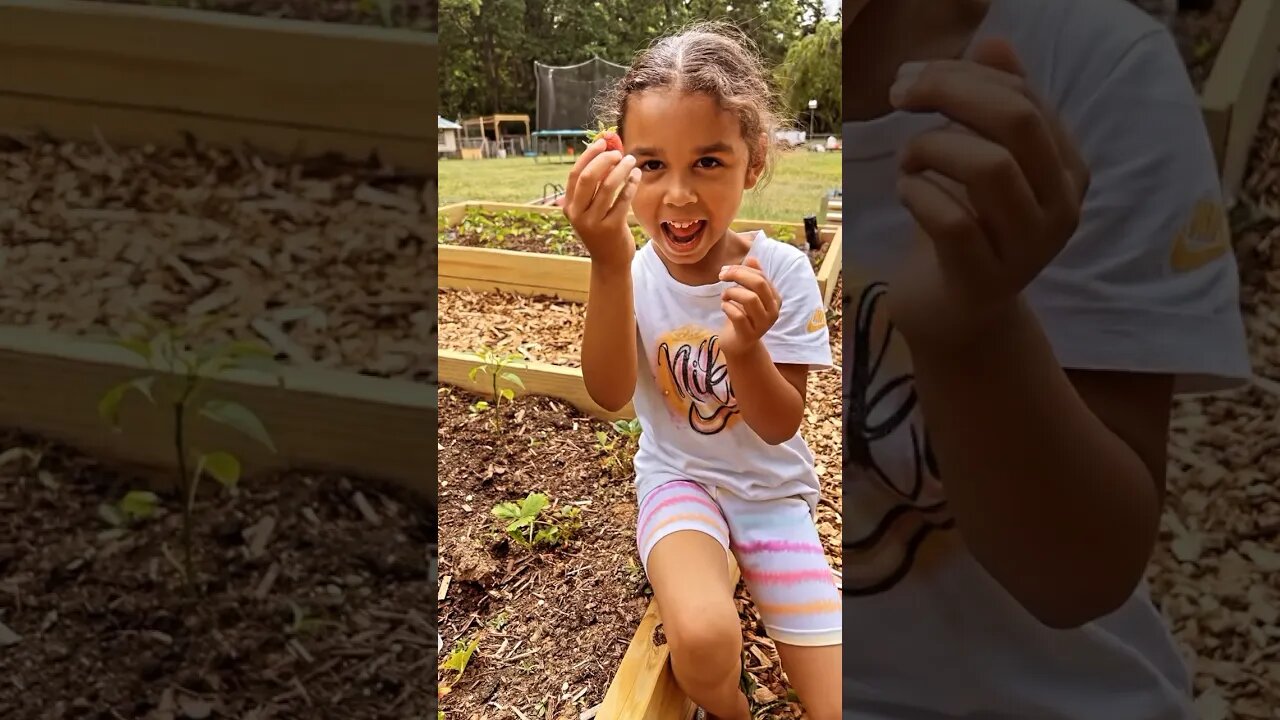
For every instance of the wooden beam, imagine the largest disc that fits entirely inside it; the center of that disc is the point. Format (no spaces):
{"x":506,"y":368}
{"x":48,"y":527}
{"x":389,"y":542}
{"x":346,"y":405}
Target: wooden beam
{"x":159,"y":72}
{"x":1235,"y":94}
{"x":375,"y":428}
{"x":829,"y":271}
{"x":555,"y":381}
{"x":526,"y":273}
{"x":644,"y":688}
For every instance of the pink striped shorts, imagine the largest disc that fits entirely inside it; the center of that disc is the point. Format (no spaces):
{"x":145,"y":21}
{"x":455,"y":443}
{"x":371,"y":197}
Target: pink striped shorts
{"x":775,"y":543}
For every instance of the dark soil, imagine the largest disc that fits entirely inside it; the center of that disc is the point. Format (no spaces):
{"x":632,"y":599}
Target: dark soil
{"x":551,"y":233}
{"x":421,"y":15}
{"x":105,"y":629}
{"x":552,"y":624}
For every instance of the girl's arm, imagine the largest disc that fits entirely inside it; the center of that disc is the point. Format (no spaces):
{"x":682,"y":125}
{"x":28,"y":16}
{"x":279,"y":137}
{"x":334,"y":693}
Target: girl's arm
{"x":770,"y":396}
{"x":597,"y":199}
{"x":609,"y":339}
{"x":1055,"y":478}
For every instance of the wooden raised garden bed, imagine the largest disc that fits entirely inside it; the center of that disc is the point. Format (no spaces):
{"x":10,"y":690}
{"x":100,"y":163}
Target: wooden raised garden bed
{"x":504,"y":597}
{"x":1234,"y":94}
{"x":139,"y":75}
{"x":560,"y":270}
{"x":276,"y":175}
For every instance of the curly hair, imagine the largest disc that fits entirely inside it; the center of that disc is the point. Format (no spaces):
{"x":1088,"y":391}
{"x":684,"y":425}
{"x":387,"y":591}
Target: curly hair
{"x":710,"y":58}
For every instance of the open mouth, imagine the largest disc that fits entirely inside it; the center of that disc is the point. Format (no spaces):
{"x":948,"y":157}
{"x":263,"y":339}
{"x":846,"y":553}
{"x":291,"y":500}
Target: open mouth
{"x":683,"y":235}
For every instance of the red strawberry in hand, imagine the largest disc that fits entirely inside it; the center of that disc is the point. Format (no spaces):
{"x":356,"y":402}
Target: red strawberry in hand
{"x":611,"y":139}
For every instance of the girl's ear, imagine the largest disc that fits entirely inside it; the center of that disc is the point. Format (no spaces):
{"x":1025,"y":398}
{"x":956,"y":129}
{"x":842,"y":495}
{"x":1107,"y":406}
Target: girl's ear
{"x":756,"y":169}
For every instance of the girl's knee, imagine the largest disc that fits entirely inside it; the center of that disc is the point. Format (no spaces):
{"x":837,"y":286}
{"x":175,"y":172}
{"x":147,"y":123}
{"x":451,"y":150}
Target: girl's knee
{"x":707,"y":635}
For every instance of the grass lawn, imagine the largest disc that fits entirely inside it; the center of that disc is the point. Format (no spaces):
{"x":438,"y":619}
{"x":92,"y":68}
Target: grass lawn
{"x":796,"y":189}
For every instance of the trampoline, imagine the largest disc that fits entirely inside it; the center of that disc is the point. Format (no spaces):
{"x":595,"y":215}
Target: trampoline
{"x":565,"y":97}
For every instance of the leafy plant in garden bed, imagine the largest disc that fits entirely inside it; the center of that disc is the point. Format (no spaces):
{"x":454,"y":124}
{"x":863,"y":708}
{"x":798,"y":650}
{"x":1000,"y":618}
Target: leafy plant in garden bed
{"x":530,"y":523}
{"x":183,"y":391}
{"x":551,"y":233}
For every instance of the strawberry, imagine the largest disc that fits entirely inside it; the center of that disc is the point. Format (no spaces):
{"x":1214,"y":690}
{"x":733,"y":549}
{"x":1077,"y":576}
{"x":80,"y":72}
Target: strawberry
{"x":610,"y":135}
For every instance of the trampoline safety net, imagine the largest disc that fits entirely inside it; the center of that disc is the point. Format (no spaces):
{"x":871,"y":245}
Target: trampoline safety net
{"x":566,"y":93}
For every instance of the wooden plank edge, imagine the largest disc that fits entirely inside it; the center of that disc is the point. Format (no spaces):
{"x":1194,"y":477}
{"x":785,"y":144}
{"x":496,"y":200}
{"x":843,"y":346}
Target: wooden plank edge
{"x":830,"y":269}
{"x":451,"y":282}
{"x":66,"y":376}
{"x":345,"y":31}
{"x":644,"y":687}
{"x":1234,"y":95}
{"x":538,"y":378}
{"x":138,"y":127}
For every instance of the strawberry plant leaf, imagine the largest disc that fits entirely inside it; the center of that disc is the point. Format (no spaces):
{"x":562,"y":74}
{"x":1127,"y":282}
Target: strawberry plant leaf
{"x":533,"y":504}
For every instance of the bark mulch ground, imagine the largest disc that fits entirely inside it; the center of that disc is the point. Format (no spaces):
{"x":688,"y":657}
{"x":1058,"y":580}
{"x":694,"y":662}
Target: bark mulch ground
{"x":332,"y":264}
{"x":316,"y":598}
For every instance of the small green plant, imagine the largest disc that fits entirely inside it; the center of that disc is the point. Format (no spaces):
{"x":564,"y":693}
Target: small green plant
{"x":527,"y":524}
{"x":620,"y":448}
{"x":495,"y":365}
{"x":457,"y":662}
{"x":180,"y":381}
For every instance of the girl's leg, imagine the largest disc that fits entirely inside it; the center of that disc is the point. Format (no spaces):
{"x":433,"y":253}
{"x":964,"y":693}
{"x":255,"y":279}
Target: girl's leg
{"x":814,"y":673}
{"x":683,"y":541}
{"x":786,"y":572}
{"x":690,"y":576}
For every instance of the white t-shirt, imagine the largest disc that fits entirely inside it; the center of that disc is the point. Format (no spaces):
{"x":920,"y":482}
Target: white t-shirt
{"x":684,"y":395}
{"x":1144,"y":285}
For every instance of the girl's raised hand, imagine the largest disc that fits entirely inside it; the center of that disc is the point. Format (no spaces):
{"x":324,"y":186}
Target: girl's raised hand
{"x":996,"y":194}
{"x":597,"y":199}
{"x":751,"y":308}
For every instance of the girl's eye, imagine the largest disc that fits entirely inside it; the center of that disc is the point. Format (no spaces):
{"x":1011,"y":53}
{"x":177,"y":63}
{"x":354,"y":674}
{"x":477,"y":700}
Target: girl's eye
{"x":650,"y":165}
{"x":713,"y":162}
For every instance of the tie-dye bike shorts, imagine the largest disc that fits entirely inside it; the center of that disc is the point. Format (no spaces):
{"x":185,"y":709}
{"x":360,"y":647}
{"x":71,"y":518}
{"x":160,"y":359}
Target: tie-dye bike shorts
{"x":775,"y":543}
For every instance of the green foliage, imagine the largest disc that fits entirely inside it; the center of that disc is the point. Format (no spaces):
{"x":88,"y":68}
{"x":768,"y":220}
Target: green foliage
{"x":619,"y":448}
{"x":460,"y":658}
{"x":495,"y":364}
{"x":509,"y":229}
{"x":811,"y":70}
{"x":490,"y":45}
{"x":530,"y":524}
{"x":182,"y":370}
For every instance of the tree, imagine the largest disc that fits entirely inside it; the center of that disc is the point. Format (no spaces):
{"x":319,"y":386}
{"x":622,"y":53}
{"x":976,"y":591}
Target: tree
{"x":811,"y":70}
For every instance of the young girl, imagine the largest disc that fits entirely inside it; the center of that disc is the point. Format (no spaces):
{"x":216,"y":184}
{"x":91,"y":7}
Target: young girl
{"x":712,"y":333}
{"x":1033,"y":205}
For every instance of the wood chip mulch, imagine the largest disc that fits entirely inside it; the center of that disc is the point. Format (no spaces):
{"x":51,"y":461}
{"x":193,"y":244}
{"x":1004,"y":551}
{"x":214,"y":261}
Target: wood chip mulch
{"x":331,"y":264}
{"x":1216,"y":573}
{"x":317,"y":598}
{"x":503,"y":594}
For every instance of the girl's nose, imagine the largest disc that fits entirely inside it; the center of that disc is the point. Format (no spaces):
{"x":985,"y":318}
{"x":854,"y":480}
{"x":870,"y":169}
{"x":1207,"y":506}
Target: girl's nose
{"x":679,"y":191}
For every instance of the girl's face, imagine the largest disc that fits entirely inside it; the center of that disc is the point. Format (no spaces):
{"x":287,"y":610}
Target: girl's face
{"x":695,"y":167}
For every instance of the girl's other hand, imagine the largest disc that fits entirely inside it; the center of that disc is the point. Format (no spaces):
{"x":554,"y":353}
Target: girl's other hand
{"x":751,"y":308}
{"x":597,"y":199}
{"x":996,"y":194}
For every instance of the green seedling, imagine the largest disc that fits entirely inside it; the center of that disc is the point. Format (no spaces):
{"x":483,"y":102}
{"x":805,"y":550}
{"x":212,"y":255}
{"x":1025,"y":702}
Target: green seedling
{"x":528,"y":526}
{"x":619,"y":449}
{"x":495,"y":366}
{"x":182,"y":373}
{"x":457,"y":662}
